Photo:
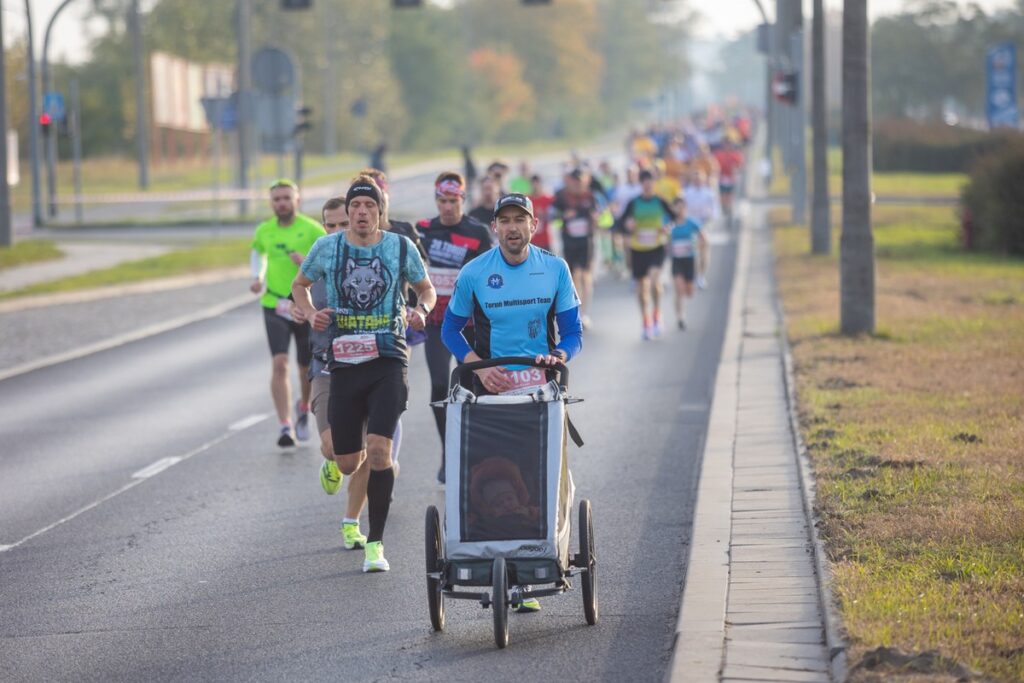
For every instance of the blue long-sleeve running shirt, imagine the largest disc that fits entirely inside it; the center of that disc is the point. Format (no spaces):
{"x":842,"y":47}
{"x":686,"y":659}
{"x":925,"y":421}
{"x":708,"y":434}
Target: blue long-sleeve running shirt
{"x":517,"y":309}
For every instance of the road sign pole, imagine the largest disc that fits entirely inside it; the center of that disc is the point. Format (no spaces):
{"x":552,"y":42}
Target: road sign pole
{"x":76,"y":149}
{"x":33,"y":115}
{"x":244,"y":103}
{"x":141,"y":121}
{"x":6,"y":234}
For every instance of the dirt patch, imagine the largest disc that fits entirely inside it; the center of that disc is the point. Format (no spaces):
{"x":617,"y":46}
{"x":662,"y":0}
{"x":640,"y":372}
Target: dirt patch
{"x":888,"y":664}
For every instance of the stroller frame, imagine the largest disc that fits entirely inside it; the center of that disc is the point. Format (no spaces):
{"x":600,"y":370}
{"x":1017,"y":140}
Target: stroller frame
{"x":491,"y":565}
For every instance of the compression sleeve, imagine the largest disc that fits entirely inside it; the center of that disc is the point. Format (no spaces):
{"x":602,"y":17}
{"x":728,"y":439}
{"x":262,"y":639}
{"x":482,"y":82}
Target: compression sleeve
{"x":451,"y":334}
{"x":256,"y":265}
{"x":570,"y":332}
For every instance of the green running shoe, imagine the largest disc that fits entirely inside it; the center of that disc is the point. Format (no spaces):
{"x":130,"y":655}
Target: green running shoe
{"x":528,"y":605}
{"x":373,"y":560}
{"x":353,"y":537}
{"x":330,"y":477}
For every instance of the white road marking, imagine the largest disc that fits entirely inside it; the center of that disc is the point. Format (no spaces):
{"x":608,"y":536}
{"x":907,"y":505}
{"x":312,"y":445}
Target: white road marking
{"x":156,"y":468}
{"x":247,"y":422}
{"x":137,"y":478}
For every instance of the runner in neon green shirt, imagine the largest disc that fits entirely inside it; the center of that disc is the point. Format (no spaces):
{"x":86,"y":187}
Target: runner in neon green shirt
{"x":278,"y":248}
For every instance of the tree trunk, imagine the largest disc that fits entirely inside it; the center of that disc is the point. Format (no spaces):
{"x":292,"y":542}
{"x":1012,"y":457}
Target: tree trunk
{"x":856,"y":248}
{"x":821,"y":228}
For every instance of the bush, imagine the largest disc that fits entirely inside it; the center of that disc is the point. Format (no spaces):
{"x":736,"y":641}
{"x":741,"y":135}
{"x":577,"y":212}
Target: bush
{"x":906,"y":145}
{"x":993,"y":201}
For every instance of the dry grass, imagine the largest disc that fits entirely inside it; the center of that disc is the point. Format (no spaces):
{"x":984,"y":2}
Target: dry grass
{"x":917,"y":438}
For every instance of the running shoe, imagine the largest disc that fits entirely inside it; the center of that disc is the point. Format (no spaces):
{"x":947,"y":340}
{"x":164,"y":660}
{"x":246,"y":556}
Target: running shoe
{"x":373,"y":558}
{"x":330,"y":477}
{"x":286,"y":440}
{"x":353,"y":537}
{"x":648,"y":333}
{"x":440,"y":476}
{"x":701,"y":282}
{"x":656,"y":328}
{"x":528,"y":605}
{"x":585,"y":322}
{"x":681,"y":324}
{"x":301,"y":423}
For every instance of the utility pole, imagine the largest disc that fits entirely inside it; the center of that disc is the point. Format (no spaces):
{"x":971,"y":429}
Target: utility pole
{"x":821,"y":228}
{"x":798,"y":125}
{"x":244,"y":103}
{"x":141,"y":121}
{"x":6,"y":234}
{"x":856,"y":245}
{"x":33,"y":127}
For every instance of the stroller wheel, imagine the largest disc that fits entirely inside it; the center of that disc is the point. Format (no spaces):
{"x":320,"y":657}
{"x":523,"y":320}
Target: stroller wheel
{"x":435,"y":563}
{"x":499,"y":601}
{"x":588,"y":560}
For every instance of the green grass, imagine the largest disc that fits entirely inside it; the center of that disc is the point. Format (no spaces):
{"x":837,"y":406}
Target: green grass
{"x":883,"y":183}
{"x":210,"y":255}
{"x":29,"y":251}
{"x":915,"y":437}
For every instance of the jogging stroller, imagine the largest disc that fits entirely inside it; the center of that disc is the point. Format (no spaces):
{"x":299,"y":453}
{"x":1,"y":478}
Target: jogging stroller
{"x":508,"y":500}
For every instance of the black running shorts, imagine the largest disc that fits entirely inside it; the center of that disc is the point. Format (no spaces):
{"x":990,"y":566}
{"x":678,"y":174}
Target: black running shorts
{"x":366,"y":399}
{"x":684,"y":266}
{"x":279,"y":335}
{"x":579,"y":252}
{"x":643,"y":261}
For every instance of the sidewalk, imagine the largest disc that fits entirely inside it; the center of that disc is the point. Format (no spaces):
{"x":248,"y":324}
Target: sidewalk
{"x":78,"y":258}
{"x":754,"y":606}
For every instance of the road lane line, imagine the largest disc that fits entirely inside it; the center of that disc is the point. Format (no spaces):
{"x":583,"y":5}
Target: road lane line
{"x":247,"y":422}
{"x":145,"y":473}
{"x":156,"y":468}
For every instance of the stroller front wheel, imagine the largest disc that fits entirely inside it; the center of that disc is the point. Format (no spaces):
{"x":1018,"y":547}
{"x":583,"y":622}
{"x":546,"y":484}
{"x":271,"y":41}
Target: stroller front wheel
{"x":499,"y":601}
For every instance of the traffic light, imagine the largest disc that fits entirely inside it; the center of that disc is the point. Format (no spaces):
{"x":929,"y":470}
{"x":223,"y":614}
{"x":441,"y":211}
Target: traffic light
{"x":45,"y":123}
{"x":296,"y":4}
{"x":302,"y":120}
{"x":786,"y":87}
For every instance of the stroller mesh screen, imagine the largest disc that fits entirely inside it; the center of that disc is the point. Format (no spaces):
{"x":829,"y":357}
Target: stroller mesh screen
{"x":503,"y":480}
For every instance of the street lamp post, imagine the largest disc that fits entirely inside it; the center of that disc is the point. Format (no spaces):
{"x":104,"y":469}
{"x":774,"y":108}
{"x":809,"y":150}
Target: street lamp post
{"x":6,"y":236}
{"x":51,"y":141}
{"x":33,"y":128}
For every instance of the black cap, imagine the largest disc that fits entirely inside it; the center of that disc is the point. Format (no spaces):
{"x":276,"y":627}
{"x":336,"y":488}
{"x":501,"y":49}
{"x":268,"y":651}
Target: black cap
{"x":515,"y":199}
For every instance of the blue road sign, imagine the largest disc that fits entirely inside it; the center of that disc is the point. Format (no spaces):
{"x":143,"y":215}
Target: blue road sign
{"x":1001,"y":94}
{"x":53,"y":104}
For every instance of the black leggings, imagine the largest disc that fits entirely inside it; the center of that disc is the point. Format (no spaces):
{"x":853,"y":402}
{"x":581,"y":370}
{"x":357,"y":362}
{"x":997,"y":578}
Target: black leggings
{"x":440,"y":367}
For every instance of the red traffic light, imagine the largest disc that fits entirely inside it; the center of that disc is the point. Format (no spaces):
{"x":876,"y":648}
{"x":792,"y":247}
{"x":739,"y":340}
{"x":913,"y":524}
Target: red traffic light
{"x":45,"y":119}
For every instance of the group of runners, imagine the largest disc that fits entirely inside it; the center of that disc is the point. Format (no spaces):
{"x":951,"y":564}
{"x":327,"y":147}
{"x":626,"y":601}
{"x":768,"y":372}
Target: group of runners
{"x":358,"y":290}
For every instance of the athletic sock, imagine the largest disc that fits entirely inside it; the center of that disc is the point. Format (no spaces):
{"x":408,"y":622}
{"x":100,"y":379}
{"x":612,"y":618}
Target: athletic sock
{"x":303,"y":407}
{"x":378,"y":501}
{"x":349,"y":520}
{"x":286,"y":423}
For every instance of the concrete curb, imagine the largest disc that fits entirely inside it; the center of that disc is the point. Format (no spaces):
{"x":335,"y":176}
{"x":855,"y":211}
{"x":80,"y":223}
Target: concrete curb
{"x":123,"y":339}
{"x":699,"y":643}
{"x":142,"y":287}
{"x":834,"y":640}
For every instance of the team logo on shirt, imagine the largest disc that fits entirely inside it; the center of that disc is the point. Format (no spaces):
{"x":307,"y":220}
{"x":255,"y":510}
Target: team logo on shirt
{"x":495,"y":281}
{"x":365,"y":283}
{"x":533,"y":328}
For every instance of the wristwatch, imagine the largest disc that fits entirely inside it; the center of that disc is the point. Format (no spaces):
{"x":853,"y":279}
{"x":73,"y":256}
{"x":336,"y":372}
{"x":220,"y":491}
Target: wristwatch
{"x":423,"y":307}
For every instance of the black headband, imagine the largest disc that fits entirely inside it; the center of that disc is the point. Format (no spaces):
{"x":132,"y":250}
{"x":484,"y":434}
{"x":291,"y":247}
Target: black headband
{"x":363,"y":190}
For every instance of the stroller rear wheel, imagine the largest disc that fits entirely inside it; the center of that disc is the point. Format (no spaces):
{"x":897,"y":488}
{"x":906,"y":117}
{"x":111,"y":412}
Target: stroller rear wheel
{"x":435,"y":563}
{"x":588,"y":561}
{"x":499,"y":601}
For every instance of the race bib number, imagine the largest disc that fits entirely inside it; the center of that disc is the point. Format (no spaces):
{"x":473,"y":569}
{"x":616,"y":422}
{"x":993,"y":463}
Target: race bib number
{"x":682,"y":249}
{"x":647,"y":238}
{"x":284,"y":308}
{"x":355,"y":348}
{"x":577,"y":227}
{"x":443,"y":280}
{"x":524,"y":381}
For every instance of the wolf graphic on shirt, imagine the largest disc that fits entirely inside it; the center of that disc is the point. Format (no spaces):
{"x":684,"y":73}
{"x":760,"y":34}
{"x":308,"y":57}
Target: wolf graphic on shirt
{"x":365,"y":283}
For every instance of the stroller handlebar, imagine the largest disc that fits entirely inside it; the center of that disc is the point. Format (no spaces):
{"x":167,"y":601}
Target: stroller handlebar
{"x":460,"y":370}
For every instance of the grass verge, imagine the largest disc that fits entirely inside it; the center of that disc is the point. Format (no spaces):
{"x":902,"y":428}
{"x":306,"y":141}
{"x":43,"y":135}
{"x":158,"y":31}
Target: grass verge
{"x":29,"y":251}
{"x":206,"y":256}
{"x":916,"y":437}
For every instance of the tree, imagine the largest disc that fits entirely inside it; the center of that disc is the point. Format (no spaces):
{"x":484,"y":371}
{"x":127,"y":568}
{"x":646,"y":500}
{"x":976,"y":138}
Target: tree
{"x":856,"y":248}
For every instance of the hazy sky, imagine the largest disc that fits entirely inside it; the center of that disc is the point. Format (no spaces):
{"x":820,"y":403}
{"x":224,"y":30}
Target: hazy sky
{"x":721,"y":17}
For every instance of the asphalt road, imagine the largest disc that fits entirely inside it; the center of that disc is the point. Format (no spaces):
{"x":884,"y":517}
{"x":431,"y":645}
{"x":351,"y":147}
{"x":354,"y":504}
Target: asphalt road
{"x":228,"y":565}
